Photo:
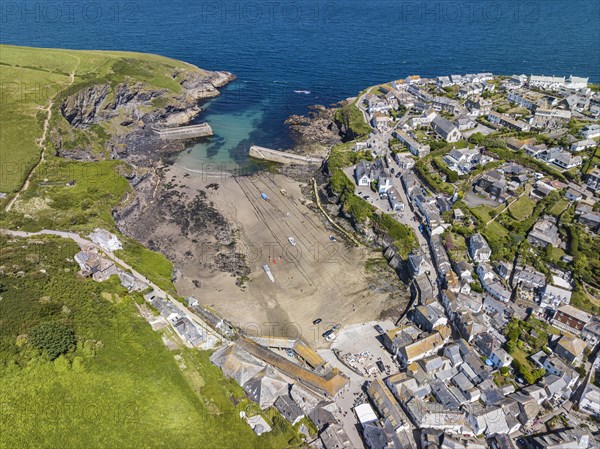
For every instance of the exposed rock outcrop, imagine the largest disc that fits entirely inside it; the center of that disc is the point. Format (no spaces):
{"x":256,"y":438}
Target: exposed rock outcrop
{"x":314,"y":133}
{"x":129,"y":110}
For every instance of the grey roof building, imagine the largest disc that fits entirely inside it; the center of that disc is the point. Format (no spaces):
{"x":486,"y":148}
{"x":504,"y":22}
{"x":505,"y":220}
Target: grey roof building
{"x":479,"y":249}
{"x":446,"y":129}
{"x":334,"y":437}
{"x":265,"y":387}
{"x":288,"y":408}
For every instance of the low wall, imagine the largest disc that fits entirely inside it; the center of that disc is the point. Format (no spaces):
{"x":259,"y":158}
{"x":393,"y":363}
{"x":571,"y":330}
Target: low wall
{"x":185,"y":132}
{"x":281,"y":157}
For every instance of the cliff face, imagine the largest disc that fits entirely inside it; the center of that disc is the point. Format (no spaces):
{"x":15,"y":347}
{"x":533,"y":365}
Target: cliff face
{"x":126,"y":112}
{"x":116,"y":120}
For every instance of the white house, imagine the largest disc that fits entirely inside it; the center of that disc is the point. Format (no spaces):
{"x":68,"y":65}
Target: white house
{"x":583,"y":145}
{"x":384,"y":183}
{"x":479,"y":249}
{"x":499,"y":357}
{"x":591,"y":131}
{"x":361,"y":172}
{"x":576,"y":82}
{"x":555,"y":296}
{"x":106,"y":240}
{"x":547,"y":82}
{"x":463,"y":160}
{"x":395,"y":199}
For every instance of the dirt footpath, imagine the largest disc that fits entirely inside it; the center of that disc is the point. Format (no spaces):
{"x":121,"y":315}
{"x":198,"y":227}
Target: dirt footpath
{"x":317,"y":278}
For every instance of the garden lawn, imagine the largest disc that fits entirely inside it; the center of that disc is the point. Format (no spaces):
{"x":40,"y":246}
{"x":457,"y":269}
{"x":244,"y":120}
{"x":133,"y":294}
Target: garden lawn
{"x":559,"y":207}
{"x":522,"y":208}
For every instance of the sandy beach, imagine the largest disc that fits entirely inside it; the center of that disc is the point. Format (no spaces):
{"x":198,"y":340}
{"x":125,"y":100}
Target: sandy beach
{"x":317,"y":278}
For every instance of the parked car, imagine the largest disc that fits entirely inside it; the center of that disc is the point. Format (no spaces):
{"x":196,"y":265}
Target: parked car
{"x":330,"y":336}
{"x":378,"y":328}
{"x":317,"y":321}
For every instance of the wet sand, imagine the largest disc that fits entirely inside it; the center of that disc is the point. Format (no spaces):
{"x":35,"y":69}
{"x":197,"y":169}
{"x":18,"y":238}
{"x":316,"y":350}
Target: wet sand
{"x":316,"y":278}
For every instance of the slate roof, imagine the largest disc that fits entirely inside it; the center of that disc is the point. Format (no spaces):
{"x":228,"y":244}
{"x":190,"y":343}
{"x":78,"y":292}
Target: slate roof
{"x":236,"y":363}
{"x":288,"y":408}
{"x":572,"y":345}
{"x":443,"y":126}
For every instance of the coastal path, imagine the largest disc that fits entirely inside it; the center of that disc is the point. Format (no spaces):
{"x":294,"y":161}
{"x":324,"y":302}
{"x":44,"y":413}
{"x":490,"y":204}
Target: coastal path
{"x":41,"y":142}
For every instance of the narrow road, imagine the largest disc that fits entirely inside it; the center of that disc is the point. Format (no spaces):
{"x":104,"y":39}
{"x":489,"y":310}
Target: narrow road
{"x":41,"y":142}
{"x":345,"y":400}
{"x":85,"y":242}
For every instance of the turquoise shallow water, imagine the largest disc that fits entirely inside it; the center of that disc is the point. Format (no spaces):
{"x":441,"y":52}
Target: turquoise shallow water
{"x":233,"y":133}
{"x":288,"y":55}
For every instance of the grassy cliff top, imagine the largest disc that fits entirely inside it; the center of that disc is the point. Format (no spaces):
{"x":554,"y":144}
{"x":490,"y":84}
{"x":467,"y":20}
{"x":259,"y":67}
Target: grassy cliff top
{"x":31,"y":78}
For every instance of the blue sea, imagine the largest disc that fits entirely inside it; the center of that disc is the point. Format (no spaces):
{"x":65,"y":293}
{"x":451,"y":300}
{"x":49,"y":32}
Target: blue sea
{"x":288,"y":55}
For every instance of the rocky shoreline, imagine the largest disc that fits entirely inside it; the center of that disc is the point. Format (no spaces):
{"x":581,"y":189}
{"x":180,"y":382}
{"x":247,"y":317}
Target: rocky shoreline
{"x":161,"y":200}
{"x":170,"y":212}
{"x":210,"y":224}
{"x":130,"y":112}
{"x":315,"y":133}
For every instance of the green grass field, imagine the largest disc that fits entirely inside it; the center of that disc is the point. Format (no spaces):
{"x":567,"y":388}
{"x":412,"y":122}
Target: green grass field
{"x":152,"y":265}
{"x":120,"y":386}
{"x":522,"y":208}
{"x":559,"y":207}
{"x":31,"y":77}
{"x":97,"y":187}
{"x":52,"y":204}
{"x":352,"y":118}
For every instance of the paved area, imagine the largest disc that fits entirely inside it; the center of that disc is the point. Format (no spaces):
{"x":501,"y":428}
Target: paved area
{"x":346,"y":400}
{"x":361,"y":346}
{"x":356,"y":339}
{"x":485,"y":130}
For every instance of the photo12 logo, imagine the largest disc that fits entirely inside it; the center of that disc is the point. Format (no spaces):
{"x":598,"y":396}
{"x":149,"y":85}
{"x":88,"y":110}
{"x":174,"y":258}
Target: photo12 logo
{"x":261,"y":12}
{"x":469,"y":12}
{"x":68,"y":12}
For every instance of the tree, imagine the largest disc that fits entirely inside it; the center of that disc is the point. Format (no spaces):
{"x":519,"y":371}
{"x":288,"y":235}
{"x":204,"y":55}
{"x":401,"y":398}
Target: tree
{"x":510,"y":346}
{"x":581,"y":370}
{"x":477,"y":138}
{"x":52,"y":338}
{"x":476,"y":287}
